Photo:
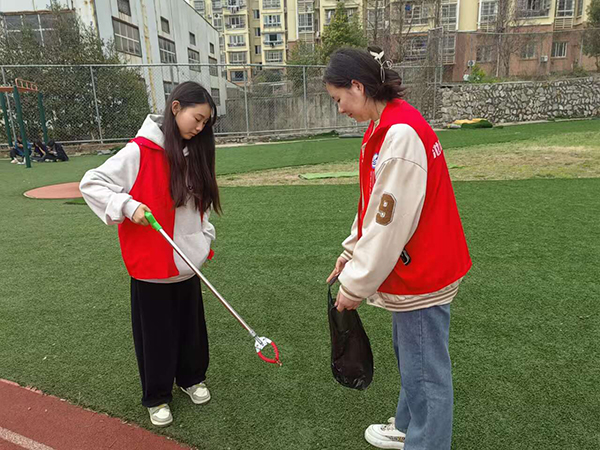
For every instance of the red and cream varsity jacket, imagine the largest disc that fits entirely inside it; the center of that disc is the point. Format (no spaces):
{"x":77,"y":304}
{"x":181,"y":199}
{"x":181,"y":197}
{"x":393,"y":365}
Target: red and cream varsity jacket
{"x":139,"y":173}
{"x":407,"y":246}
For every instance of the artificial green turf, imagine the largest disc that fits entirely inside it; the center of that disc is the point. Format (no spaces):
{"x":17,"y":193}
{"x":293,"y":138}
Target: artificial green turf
{"x":524,"y":336}
{"x":231,"y":160}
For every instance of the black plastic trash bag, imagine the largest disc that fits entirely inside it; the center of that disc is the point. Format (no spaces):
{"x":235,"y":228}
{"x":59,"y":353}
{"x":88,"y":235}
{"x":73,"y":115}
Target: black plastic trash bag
{"x":351,"y":355}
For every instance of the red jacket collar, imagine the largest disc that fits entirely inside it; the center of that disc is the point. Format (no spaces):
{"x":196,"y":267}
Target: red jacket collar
{"x":140,"y":140}
{"x":389,"y":115}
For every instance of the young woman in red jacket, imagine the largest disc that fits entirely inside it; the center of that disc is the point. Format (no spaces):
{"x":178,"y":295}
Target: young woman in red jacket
{"x":169,"y":169}
{"x":406,"y":251}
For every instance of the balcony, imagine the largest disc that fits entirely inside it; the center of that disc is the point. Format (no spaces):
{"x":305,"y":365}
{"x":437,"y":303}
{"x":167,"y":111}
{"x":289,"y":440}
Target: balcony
{"x":272,"y":25}
{"x":235,"y":25}
{"x":273,"y":43}
{"x":267,"y":4}
{"x":234,"y":6}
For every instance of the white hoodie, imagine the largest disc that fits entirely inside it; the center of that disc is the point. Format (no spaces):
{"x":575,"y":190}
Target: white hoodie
{"x":106,"y":191}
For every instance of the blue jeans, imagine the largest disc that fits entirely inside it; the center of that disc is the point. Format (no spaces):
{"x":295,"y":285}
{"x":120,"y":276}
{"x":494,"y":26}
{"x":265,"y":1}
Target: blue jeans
{"x":426,"y":399}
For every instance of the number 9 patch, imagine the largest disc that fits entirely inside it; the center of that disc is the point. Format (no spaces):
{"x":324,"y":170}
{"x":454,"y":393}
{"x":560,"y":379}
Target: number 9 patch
{"x":386,"y":209}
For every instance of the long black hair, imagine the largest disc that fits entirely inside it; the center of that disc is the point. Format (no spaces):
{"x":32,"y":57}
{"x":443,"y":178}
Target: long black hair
{"x":347,"y":64}
{"x":195,"y":175}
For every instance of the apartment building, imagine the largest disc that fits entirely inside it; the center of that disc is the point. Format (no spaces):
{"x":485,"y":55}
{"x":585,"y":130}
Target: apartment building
{"x":144,"y":32}
{"x":504,"y":37}
{"x":252,"y":32}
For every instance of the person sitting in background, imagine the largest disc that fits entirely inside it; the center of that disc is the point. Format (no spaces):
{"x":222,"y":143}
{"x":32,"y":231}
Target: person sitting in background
{"x":17,"y":150}
{"x":39,"y":151}
{"x":56,"y":152}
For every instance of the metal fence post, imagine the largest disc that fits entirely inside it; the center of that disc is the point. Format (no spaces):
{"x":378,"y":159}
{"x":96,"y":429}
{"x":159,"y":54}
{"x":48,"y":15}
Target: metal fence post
{"x":10,"y":116}
{"x":6,"y":119}
{"x":17,"y":98}
{"x":246,"y":102}
{"x":42,"y":116}
{"x":96,"y":105}
{"x":305,"y":99}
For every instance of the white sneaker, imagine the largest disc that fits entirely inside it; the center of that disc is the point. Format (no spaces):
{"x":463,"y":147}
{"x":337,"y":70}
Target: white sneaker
{"x":20,"y":163}
{"x":13,"y":161}
{"x":160,"y":415}
{"x":198,"y":393}
{"x":385,"y":435}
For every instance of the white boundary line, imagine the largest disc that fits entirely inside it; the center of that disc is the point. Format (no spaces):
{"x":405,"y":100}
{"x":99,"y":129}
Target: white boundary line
{"x":22,"y":441}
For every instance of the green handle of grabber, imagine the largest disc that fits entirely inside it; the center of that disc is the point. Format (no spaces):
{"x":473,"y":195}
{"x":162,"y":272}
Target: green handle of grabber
{"x":150,"y":218}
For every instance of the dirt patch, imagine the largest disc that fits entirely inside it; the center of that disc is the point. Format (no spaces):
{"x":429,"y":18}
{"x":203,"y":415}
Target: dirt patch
{"x":495,"y":162}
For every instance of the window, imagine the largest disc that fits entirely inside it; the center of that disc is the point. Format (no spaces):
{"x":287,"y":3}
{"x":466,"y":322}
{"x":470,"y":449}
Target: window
{"x":375,"y":19}
{"x":167,"y":51}
{"x":417,"y":13}
{"x":580,"y":7}
{"x":237,"y":40}
{"x":164,"y":25}
{"x":305,"y":22}
{"x":217,"y":5}
{"x":484,"y":53}
{"x":199,"y":6}
{"x":218,"y":21}
{"x":256,"y":13}
{"x":272,"y":20}
{"x":488,"y":13}
{"x":42,"y":25}
{"x":449,"y":15}
{"x":273,"y":39}
{"x":238,"y":75}
{"x":273,"y":56}
{"x":559,"y":49}
{"x":124,"y":7}
{"x":237,"y":58}
{"x":213,"y":70}
{"x":236,"y":22}
{"x":192,"y":39}
{"x":416,"y":48}
{"x":533,"y":8}
{"x":257,"y":49}
{"x":194,"y":57}
{"x":329,"y":15}
{"x":257,"y":32}
{"x":216,"y":95}
{"x":168,"y":88}
{"x":449,"y":49}
{"x":528,"y":50}
{"x":351,"y":11}
{"x":211,"y":47}
{"x":221,"y":44}
{"x":564,"y":8}
{"x":127,"y":38}
{"x":271,"y":4}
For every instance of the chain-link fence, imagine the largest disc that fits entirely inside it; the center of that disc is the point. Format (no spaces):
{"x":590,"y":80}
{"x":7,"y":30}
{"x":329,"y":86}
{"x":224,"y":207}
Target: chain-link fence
{"x":106,"y":103}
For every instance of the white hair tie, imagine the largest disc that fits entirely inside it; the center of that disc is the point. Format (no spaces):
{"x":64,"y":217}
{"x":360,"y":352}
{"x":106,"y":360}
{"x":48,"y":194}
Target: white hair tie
{"x":382,"y":64}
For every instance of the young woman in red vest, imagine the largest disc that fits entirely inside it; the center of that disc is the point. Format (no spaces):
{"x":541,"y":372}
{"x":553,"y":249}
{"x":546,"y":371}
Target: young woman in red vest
{"x":406,"y":251}
{"x":169,"y":169}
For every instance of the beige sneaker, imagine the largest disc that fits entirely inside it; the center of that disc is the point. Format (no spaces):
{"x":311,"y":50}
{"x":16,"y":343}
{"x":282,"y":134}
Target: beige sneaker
{"x":385,"y":435}
{"x":198,"y":393}
{"x":160,"y":415}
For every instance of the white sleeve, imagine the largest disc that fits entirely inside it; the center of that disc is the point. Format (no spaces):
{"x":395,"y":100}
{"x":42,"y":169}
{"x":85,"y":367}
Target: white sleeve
{"x":207,"y":228}
{"x":392,"y":215}
{"x":350,"y":242}
{"x":106,"y":188}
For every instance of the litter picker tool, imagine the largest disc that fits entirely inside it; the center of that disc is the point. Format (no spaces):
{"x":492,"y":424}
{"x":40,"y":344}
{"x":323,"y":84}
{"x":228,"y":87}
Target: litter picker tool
{"x":260,"y":342}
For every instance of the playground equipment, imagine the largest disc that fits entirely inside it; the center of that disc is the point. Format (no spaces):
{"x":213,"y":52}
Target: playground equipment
{"x":25,"y":87}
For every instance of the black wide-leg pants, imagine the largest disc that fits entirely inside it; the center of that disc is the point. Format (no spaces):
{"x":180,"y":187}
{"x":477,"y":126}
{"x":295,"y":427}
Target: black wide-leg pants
{"x":169,"y":335}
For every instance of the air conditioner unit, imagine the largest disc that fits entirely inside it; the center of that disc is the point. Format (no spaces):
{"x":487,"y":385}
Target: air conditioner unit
{"x":544,"y":58}
{"x":470,"y":63}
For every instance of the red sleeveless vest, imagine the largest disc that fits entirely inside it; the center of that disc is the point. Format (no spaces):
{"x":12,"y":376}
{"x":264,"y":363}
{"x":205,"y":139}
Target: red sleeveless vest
{"x":438,"y":250}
